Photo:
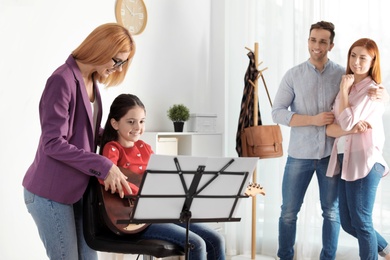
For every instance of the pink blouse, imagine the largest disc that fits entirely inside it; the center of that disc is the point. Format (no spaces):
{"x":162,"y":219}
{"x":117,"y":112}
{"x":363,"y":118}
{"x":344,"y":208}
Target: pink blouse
{"x":363,"y":150}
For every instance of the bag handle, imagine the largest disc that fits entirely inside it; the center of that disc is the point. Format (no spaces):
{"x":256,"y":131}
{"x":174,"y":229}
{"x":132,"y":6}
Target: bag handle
{"x":265,"y":86}
{"x":266,"y":89}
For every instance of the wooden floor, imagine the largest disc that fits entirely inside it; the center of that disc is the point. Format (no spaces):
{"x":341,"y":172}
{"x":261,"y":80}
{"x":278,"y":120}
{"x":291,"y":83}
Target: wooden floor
{"x":109,"y":256}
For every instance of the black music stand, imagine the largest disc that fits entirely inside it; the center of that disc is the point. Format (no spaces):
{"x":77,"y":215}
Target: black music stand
{"x":191,"y":189}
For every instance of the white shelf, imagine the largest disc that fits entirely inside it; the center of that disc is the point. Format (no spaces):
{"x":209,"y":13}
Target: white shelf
{"x":188,"y":143}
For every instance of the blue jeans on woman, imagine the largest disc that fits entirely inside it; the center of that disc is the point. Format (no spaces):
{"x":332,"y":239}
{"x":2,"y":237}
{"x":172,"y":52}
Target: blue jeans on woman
{"x":206,"y":243}
{"x":297,"y":176}
{"x":60,"y":227}
{"x":356,"y":205}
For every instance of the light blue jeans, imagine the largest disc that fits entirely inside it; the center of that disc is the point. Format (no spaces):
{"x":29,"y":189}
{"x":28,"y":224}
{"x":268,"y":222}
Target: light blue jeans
{"x":206,"y":243}
{"x":297,"y":176}
{"x":60,"y":227}
{"x":356,"y":205}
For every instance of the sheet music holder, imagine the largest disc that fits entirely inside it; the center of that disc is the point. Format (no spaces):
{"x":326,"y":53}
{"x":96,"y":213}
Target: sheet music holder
{"x":191,"y":189}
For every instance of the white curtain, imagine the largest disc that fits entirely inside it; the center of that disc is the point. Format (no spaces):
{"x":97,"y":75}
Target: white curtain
{"x":281,"y":28}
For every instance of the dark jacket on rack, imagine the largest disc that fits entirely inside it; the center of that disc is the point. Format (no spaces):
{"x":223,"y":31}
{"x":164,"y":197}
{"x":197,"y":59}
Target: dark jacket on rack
{"x":247,"y":104}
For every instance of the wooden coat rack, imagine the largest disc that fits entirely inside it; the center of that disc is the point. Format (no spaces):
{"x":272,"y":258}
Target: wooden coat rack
{"x":255,"y":120}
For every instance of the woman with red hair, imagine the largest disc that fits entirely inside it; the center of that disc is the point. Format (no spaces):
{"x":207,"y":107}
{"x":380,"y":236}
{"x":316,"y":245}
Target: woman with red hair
{"x":357,"y":150}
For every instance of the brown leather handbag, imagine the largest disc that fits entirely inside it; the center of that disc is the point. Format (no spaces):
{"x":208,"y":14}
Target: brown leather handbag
{"x":263,"y":141}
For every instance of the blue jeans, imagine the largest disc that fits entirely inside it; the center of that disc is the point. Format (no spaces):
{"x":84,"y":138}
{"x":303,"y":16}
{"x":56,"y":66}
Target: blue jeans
{"x":356,"y":204}
{"x":297,"y":176}
{"x":206,"y":243}
{"x":60,"y":227}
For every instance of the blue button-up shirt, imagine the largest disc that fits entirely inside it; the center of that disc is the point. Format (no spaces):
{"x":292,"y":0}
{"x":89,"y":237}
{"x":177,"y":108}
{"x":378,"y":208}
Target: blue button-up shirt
{"x":307,"y":91}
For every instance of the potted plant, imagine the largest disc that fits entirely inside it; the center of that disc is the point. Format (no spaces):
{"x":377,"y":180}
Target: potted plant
{"x":178,"y":114}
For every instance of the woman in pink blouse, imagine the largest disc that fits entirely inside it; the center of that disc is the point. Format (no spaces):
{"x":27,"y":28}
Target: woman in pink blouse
{"x":357,"y":150}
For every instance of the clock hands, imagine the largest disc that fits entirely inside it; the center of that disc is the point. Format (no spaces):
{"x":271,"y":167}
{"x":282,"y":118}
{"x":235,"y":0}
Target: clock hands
{"x":131,"y":12}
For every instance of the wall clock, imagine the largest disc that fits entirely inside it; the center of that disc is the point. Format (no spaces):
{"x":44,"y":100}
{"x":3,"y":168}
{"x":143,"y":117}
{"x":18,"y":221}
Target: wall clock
{"x":131,"y":14}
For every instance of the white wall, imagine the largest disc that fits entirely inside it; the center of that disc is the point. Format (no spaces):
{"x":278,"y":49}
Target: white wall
{"x":172,"y":65}
{"x":192,"y":52}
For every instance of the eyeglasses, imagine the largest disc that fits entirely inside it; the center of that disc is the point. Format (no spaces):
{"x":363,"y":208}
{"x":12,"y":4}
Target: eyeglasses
{"x":118,"y":63}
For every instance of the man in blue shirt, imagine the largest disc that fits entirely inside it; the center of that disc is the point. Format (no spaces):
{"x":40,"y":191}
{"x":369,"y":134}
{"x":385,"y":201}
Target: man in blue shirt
{"x":309,"y":90}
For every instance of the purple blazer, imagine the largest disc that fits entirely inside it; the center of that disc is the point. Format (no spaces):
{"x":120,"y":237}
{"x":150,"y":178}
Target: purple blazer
{"x":65,"y":157}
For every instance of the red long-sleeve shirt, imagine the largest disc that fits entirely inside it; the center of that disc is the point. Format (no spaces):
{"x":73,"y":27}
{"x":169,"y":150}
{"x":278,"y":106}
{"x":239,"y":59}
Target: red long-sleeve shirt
{"x":134,"y":158}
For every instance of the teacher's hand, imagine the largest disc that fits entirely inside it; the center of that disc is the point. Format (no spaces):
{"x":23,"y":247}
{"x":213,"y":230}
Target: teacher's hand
{"x":116,"y":181}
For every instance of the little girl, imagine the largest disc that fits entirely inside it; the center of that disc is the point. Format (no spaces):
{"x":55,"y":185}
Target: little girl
{"x":122,"y":145}
{"x":120,"y":140}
